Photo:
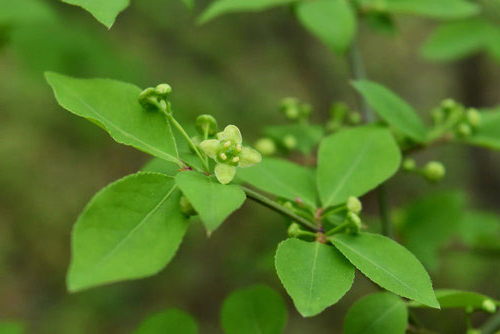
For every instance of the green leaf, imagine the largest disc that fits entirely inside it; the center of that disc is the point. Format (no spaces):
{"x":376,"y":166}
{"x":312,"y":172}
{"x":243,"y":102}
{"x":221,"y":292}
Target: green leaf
{"x":105,"y":11}
{"x":25,"y":12}
{"x":378,"y":313}
{"x":97,"y":56}
{"x":493,"y":46}
{"x":442,"y":9}
{"x":392,"y":109}
{"x":488,"y":133}
{"x":315,"y":275}
{"x":189,"y":3}
{"x":221,"y":7}
{"x":168,"y":321}
{"x":282,"y":178}
{"x":430,"y":222}
{"x":130,"y":229}
{"x":354,"y":161}
{"x":448,"y":298}
{"x":11,"y":327}
{"x":113,"y":106}
{"x":332,"y":21}
{"x":254,"y":310}
{"x":388,"y":264}
{"x":307,"y":136}
{"x":480,"y":229}
{"x":457,"y":40}
{"x":161,"y":166}
{"x":213,"y":201}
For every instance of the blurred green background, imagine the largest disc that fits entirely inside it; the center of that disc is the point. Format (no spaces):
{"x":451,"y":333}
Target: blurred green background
{"x":237,"y":68}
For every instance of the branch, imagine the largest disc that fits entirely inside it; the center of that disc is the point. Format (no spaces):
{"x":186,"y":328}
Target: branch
{"x":263,"y":200}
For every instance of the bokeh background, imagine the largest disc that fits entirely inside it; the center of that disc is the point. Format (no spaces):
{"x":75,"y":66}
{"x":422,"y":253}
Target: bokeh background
{"x":236,"y":68}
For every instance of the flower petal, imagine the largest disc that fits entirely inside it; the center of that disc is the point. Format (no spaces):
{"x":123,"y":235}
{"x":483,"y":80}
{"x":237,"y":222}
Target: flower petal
{"x":225,"y":173}
{"x":232,"y":133}
{"x":210,"y":147}
{"x":249,"y":157}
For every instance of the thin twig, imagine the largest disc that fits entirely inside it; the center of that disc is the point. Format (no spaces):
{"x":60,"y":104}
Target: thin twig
{"x":253,"y":195}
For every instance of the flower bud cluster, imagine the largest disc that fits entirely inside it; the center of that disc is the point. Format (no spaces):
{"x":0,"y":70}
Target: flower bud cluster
{"x":452,"y":116}
{"x":156,"y":98}
{"x":341,"y":115}
{"x":433,"y":171}
{"x":295,"y":110}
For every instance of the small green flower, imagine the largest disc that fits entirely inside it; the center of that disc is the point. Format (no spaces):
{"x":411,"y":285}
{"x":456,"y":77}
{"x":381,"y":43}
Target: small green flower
{"x":228,"y":152}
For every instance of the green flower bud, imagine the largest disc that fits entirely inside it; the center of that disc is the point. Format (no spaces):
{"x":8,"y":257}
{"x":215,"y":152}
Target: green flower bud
{"x":434,"y":171}
{"x":338,"y":111}
{"x":290,"y":107}
{"x":464,"y":130}
{"x":288,"y":205}
{"x":354,"y":220}
{"x":449,"y":104}
{"x":292,"y":113}
{"x":354,"y":205}
{"x":290,"y":142}
{"x":148,"y":100}
{"x":355,"y":118}
{"x":266,"y":146}
{"x":186,"y":207}
{"x":473,"y":117}
{"x":294,"y":230}
{"x":438,"y":116}
{"x":163,"y":90}
{"x":206,"y":123}
{"x":489,"y":306}
{"x":409,"y":165}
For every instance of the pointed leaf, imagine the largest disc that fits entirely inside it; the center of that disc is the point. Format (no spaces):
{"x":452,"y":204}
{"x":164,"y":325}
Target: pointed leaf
{"x":388,"y":264}
{"x":480,"y":229}
{"x":282,"y":178}
{"x":130,"y":229}
{"x":168,"y":321}
{"x":353,"y":162}
{"x":105,"y":11}
{"x":442,"y":9}
{"x":332,"y":21}
{"x":378,"y":313}
{"x":449,"y":298}
{"x":488,"y":133}
{"x":213,"y":201}
{"x":25,"y":12}
{"x":457,"y":40}
{"x":392,"y":109}
{"x":221,"y":7}
{"x":430,"y":222}
{"x":161,"y":166}
{"x":315,"y":275}
{"x":113,"y":105}
{"x":254,"y":310}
